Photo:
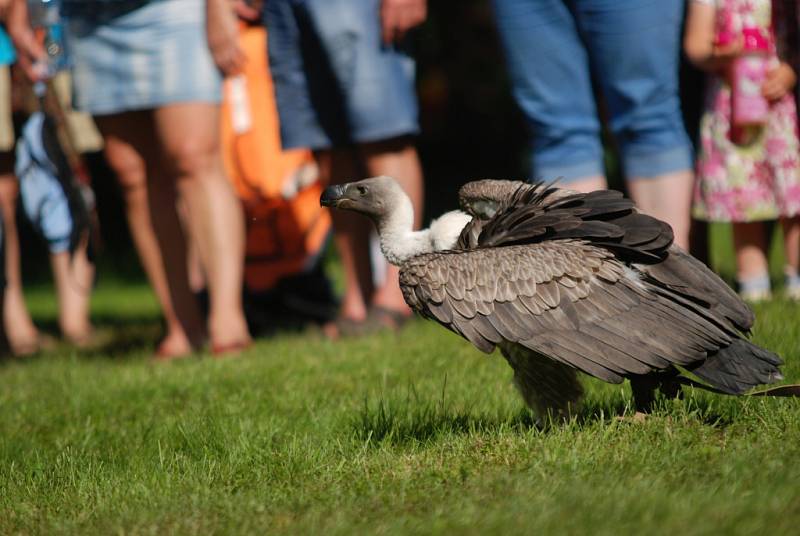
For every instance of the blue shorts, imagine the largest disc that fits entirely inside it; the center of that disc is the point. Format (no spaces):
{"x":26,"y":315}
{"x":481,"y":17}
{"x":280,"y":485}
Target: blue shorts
{"x":335,"y":82}
{"x":632,"y":48}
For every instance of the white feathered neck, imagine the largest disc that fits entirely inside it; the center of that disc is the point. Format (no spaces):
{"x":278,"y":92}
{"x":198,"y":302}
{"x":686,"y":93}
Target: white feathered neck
{"x":399,"y":242}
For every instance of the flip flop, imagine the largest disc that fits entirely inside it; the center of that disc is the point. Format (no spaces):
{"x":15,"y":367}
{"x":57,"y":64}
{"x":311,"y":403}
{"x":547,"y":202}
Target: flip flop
{"x":233,"y":349}
{"x":388,"y":318}
{"x":378,"y":319}
{"x":343,"y":327}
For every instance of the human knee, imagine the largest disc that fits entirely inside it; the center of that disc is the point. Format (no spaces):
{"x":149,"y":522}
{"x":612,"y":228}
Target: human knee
{"x":192,"y":157}
{"x":8,"y":201}
{"x":653,"y":141}
{"x":567,"y":155}
{"x":129,"y":169}
{"x":654,"y":161}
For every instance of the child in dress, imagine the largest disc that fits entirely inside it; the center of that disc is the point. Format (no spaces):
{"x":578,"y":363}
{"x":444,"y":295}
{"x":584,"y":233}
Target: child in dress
{"x":746,"y":175}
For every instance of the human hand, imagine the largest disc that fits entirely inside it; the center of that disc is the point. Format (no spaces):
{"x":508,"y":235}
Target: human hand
{"x":779,"y":82}
{"x":247,"y":10}
{"x":222,"y":33}
{"x":4,"y":5}
{"x":723,"y":55}
{"x":399,"y":16}
{"x":31,"y":55}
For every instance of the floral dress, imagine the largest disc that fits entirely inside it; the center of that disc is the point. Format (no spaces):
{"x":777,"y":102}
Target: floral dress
{"x":754,"y":180}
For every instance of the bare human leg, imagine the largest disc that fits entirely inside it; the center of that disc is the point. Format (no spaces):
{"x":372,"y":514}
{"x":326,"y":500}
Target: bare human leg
{"x":750,"y":246}
{"x":189,"y":136}
{"x":126,"y":136}
{"x":586,"y":184}
{"x":19,"y":330}
{"x":667,"y":197}
{"x":396,"y":158}
{"x":791,"y":250}
{"x":791,"y":242}
{"x":74,"y":276}
{"x":351,"y":238}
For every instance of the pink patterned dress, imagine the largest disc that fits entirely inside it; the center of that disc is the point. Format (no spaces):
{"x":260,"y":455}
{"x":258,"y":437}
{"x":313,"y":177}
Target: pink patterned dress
{"x":754,"y":180}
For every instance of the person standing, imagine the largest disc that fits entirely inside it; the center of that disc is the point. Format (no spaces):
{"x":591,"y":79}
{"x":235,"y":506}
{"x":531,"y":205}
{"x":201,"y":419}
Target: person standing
{"x":748,"y":173}
{"x":344,"y":87}
{"x":150,"y":74}
{"x":72,"y":269}
{"x":557,"y":49}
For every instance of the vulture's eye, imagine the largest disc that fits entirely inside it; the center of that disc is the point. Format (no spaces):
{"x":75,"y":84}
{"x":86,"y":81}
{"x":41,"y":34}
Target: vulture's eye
{"x":362,"y":190}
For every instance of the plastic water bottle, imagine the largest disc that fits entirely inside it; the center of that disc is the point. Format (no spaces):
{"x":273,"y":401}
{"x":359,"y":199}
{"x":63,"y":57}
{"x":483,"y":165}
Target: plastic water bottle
{"x":748,"y":73}
{"x":45,"y":16}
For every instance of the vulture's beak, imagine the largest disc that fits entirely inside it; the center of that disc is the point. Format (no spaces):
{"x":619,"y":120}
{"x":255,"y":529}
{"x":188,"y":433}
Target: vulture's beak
{"x":332,"y":196}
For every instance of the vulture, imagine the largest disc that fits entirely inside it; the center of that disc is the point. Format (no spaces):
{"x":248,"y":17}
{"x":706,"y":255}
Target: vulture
{"x":562,"y":282}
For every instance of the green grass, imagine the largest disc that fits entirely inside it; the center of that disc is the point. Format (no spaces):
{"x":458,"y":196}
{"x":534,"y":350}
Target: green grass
{"x":379,"y":435}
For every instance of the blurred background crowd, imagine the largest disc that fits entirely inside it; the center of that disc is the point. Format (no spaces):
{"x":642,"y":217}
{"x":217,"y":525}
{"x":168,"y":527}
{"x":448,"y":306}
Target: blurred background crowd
{"x":213,"y":125}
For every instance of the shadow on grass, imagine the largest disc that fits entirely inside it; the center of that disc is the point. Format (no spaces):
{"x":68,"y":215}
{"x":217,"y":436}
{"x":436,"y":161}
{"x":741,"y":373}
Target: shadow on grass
{"x":414,"y":421}
{"x":115,"y":338}
{"x":399,"y":424}
{"x":128,"y":337}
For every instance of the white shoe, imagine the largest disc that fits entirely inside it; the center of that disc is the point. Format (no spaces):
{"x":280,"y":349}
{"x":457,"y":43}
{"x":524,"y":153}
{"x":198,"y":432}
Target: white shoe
{"x":757,"y":295}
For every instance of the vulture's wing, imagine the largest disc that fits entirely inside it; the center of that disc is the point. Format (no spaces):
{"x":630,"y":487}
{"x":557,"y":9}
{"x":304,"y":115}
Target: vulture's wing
{"x":567,"y":299}
{"x":683,"y":274}
{"x":527,"y":214}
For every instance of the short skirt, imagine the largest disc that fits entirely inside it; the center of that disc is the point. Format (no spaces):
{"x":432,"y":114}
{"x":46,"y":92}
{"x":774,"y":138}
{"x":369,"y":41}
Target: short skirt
{"x":143,"y":57}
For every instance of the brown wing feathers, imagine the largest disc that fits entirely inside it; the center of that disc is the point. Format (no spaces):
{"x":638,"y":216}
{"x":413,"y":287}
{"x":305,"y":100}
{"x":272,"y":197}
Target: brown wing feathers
{"x":589,"y":282}
{"x":534,"y":213}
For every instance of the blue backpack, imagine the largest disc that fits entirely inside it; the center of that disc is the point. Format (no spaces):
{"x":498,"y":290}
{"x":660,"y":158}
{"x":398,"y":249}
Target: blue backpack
{"x":58,"y":207}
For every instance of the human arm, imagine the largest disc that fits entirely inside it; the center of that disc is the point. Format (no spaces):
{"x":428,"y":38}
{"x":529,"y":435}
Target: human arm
{"x":248,"y":10}
{"x":780,"y":81}
{"x":30,"y":52}
{"x":4,"y":5}
{"x":399,"y":16}
{"x":222,"y":33}
{"x":699,"y":41}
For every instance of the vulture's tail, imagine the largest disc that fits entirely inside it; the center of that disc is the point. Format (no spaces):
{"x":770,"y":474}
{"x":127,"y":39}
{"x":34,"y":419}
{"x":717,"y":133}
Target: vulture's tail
{"x":739,"y":367}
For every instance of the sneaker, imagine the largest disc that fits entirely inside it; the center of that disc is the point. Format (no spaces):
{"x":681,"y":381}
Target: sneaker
{"x":755,"y":289}
{"x":791,"y":284}
{"x":757,"y":295}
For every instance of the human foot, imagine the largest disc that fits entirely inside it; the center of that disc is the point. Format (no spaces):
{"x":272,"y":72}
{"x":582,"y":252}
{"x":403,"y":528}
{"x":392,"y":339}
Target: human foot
{"x":20,"y":332}
{"x":378,"y":318}
{"x":27,"y":347}
{"x":231,"y":349}
{"x":173,"y":346}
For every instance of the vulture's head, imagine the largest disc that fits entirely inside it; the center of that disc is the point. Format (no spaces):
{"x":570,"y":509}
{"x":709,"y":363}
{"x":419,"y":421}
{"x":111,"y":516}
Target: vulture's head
{"x":482,"y":197}
{"x":376,"y":197}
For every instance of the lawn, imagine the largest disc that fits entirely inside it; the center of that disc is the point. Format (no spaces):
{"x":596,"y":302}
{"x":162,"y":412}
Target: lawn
{"x":409,"y":433}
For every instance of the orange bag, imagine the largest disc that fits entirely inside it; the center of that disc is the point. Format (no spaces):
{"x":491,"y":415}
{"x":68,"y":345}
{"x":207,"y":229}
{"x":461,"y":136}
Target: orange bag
{"x":286,"y":227}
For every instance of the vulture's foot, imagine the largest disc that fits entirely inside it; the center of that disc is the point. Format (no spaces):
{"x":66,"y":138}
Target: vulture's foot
{"x":638,"y":417}
{"x":644,"y":389}
{"x":551,"y":389}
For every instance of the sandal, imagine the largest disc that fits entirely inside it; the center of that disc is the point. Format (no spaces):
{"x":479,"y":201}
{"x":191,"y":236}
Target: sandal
{"x":388,"y":318}
{"x":232,"y":349}
{"x":378,"y":319}
{"x":343,"y":327}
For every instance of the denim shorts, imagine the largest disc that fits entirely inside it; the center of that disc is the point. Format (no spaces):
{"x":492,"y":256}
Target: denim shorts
{"x":554,"y":48}
{"x":137,"y":56}
{"x":335,"y":82}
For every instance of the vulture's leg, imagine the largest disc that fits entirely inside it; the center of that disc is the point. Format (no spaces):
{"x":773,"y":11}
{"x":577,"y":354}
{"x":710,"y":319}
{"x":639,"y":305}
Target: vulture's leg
{"x":644,"y":388}
{"x":547,"y":386}
{"x":644,"y":392}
